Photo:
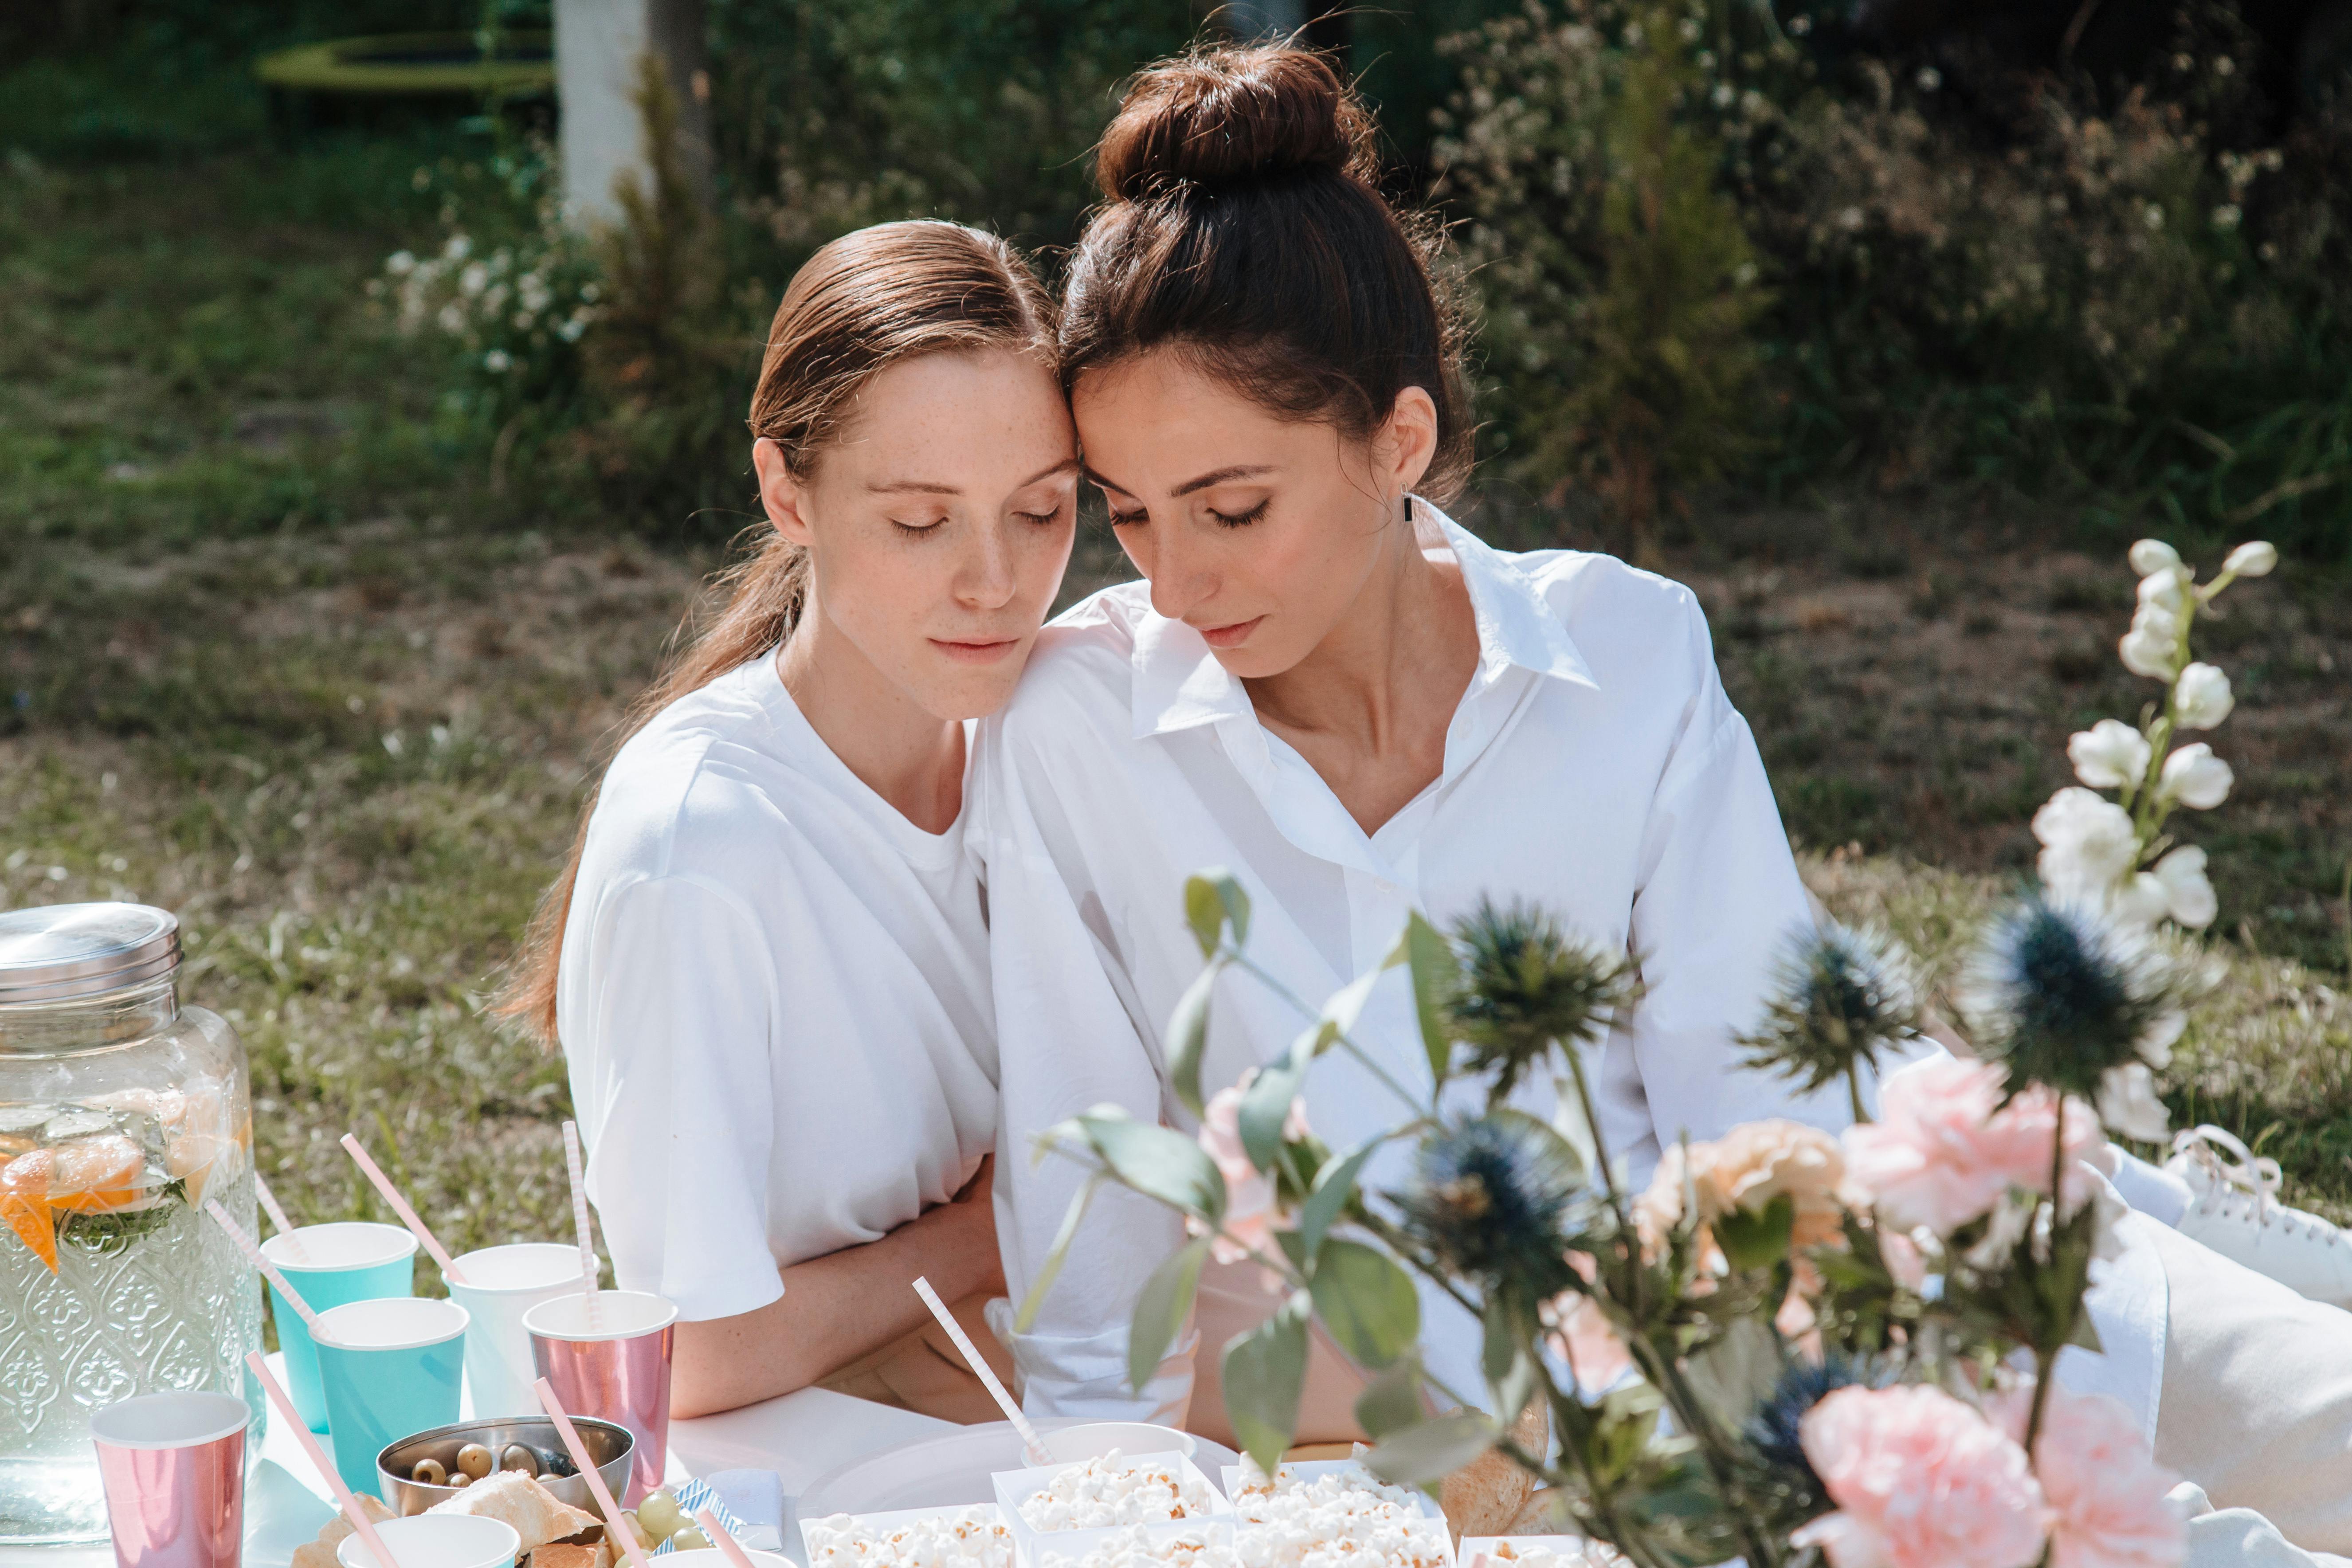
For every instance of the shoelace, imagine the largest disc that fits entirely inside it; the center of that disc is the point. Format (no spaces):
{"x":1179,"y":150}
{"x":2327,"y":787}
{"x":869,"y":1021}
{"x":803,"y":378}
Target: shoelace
{"x":2231,"y":1164}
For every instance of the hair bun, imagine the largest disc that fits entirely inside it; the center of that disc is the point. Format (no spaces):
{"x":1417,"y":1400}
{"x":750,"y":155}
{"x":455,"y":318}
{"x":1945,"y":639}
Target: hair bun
{"x":1228,"y":116}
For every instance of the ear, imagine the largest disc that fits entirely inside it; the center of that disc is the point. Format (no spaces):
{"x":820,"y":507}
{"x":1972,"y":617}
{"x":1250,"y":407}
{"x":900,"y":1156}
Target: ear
{"x":1407,"y":442}
{"x":781,"y":496}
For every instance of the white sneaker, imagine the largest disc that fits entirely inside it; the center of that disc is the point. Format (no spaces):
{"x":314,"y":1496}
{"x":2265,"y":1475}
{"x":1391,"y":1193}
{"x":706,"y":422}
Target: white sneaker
{"x":2236,"y":1212}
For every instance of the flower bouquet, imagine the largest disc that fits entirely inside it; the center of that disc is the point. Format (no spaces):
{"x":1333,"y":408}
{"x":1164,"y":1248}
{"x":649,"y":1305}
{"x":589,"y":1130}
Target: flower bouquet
{"x":1789,"y":1343}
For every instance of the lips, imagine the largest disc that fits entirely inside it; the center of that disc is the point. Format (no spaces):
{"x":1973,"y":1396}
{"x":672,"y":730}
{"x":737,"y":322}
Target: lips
{"x":977,"y":652}
{"x":1231,"y":635}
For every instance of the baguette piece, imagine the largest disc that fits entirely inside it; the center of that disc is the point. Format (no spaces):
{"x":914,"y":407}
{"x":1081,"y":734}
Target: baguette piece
{"x":515,"y":1498}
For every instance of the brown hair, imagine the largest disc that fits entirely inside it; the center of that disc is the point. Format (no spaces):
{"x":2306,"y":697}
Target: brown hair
{"x":862,"y":303}
{"x":1241,"y":226}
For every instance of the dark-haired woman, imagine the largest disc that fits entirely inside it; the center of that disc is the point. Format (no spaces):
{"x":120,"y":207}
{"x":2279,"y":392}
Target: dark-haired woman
{"x":1328,"y":688}
{"x":767,"y":964}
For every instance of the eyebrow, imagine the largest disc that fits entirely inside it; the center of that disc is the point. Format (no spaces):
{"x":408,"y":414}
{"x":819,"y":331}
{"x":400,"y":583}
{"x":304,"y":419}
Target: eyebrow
{"x":932,"y":487}
{"x":1214,"y":477}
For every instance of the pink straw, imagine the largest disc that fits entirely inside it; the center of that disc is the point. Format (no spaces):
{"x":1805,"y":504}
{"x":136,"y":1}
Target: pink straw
{"x":301,"y":1428}
{"x":720,"y":1539}
{"x":613,"y":1525}
{"x":269,"y":1270}
{"x":580,"y":1217}
{"x":407,"y":1216}
{"x":277,"y":1218}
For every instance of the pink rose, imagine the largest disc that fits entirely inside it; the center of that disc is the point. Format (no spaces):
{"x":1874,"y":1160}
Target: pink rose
{"x":1944,"y":1149}
{"x":1249,"y":1192}
{"x":1920,"y":1481}
{"x":2105,"y":1490}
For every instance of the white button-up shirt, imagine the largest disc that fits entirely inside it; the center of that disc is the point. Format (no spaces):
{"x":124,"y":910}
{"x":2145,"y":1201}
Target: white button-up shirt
{"x":1593,"y":766}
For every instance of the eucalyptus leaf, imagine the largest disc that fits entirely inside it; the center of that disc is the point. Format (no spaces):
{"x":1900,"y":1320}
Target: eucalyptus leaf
{"x":1505,"y":1357}
{"x":1263,"y":1372}
{"x":1187,"y":1038}
{"x":1737,"y":1373}
{"x":1435,"y":970}
{"x":1430,"y":1450}
{"x":1161,"y":1310}
{"x":1156,"y":1162}
{"x":1335,"y":1183}
{"x":1265,"y":1107}
{"x":1341,"y":1013}
{"x":1204,"y":911}
{"x":1366,"y":1301}
{"x":1392,"y":1399}
{"x":1754,"y":1240}
{"x":1047,"y":1271}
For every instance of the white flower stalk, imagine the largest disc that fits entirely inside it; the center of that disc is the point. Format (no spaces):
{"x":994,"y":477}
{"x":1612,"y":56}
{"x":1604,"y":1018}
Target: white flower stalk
{"x":2088,"y":845}
{"x":2167,"y":589}
{"x":2253,"y":558}
{"x":2127,"y":1104}
{"x":2141,"y":901}
{"x":2153,"y":555}
{"x":2202,"y":697}
{"x":2110,"y":754}
{"x":2194,"y":777}
{"x":2188,"y":896}
{"x":2152,"y":647}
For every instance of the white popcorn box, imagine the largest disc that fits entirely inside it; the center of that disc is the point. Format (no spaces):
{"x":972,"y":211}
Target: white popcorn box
{"x":869,"y":1526}
{"x":1030,"y":1546}
{"x":1533,"y":1551}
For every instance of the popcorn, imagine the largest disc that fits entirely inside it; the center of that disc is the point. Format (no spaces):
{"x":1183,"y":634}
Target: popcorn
{"x":1135,"y":1547}
{"x":1591,"y":1554}
{"x":1104,"y":1491}
{"x":966,"y":1538}
{"x":1347,"y":1519}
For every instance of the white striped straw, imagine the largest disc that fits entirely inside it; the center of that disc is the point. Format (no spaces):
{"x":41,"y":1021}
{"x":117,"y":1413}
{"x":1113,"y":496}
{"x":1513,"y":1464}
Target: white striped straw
{"x":979,"y":1367}
{"x":270,"y":1207}
{"x":573,"y":1163}
{"x":613,"y":1525}
{"x":246,"y":1245}
{"x":400,"y":1206}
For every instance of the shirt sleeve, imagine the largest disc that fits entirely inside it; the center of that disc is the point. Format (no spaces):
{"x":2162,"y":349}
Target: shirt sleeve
{"x":671,"y":1068}
{"x":1067,"y":1041}
{"x":1718,"y":901}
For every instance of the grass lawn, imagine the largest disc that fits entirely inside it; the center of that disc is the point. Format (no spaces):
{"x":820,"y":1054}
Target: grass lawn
{"x":274,"y":654}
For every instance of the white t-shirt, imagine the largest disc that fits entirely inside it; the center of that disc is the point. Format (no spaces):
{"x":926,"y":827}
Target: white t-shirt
{"x":774,"y":999}
{"x":1593,"y":766}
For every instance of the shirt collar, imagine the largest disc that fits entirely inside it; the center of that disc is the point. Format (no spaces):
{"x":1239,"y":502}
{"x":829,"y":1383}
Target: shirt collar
{"x":1179,"y":684}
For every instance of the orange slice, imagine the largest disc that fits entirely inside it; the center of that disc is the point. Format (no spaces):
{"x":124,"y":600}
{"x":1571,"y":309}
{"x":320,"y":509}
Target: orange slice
{"x":97,"y":1175}
{"x":24,"y":1203}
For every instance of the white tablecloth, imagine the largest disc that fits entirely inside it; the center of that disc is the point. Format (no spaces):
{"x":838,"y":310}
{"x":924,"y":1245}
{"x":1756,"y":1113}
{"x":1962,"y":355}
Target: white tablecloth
{"x":800,"y":1436}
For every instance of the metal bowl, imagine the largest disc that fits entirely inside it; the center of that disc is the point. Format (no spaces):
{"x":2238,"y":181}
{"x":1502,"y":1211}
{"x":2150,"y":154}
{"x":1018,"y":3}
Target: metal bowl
{"x":608,"y":1443}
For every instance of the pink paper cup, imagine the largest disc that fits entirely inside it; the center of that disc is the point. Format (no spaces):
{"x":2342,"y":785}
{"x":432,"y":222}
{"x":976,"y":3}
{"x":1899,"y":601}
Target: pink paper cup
{"x":174,"y":1466}
{"x":607,"y":1355}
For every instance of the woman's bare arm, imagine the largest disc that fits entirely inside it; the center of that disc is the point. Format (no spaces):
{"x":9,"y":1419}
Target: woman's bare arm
{"x":837,"y":1308}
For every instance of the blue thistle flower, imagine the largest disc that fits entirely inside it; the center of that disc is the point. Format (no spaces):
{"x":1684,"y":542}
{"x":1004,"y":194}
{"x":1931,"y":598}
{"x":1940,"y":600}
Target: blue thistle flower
{"x":1527,"y":987}
{"x":1840,"y":996}
{"x":1493,"y":1199}
{"x":2060,"y":996}
{"x":1774,"y":1432}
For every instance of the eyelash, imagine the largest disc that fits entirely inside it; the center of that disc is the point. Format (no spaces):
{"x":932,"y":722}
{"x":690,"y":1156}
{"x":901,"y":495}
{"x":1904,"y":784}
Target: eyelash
{"x":1244,"y":520}
{"x":914,"y":531}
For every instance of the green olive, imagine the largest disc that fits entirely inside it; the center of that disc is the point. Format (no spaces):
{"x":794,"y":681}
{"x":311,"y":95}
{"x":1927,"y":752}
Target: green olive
{"x":519,"y":1457}
{"x":429,"y":1473}
{"x":461,"y":1480}
{"x":660,"y":1513}
{"x":690,"y":1539}
{"x":475,"y":1460}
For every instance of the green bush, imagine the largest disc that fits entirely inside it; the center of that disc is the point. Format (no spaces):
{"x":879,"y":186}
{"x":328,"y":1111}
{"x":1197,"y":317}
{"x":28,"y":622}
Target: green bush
{"x":2111,"y":295}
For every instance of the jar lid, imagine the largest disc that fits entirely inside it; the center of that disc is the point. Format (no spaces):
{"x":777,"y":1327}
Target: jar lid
{"x":58,"y":952}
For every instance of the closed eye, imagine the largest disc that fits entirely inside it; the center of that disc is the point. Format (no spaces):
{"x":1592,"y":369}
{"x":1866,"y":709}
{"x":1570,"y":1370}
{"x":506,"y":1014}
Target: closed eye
{"x":1241,"y":520}
{"x":1129,"y":519}
{"x":917,"y":529}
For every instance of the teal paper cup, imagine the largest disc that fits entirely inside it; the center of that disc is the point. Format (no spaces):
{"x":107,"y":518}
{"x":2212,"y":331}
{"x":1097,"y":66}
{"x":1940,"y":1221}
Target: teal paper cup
{"x":331,"y":1265}
{"x":391,"y":1369}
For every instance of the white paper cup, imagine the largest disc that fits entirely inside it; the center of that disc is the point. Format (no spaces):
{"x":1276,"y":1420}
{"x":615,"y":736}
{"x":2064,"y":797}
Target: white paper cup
{"x":1096,"y":1438}
{"x":436,"y":1541}
{"x":713,"y":1557}
{"x":501,"y":1284}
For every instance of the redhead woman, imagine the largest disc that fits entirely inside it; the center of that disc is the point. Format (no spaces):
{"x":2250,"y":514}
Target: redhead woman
{"x":767,"y":963}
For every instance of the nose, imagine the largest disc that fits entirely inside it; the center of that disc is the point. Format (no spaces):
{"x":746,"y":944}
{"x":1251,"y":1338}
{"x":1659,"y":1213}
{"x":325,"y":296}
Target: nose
{"x":1181,"y":579}
{"x":985,"y":579}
